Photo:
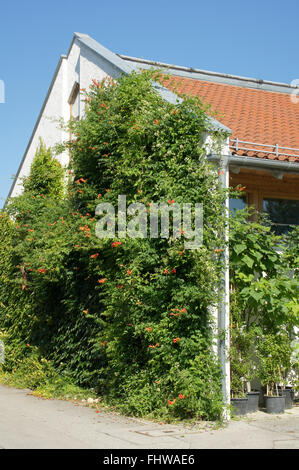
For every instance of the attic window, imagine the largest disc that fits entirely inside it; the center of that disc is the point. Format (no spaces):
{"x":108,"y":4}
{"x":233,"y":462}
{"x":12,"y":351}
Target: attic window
{"x":74,"y":101}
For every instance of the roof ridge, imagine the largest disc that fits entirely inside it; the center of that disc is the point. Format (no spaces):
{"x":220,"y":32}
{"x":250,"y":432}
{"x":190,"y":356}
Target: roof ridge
{"x":192,"y":70}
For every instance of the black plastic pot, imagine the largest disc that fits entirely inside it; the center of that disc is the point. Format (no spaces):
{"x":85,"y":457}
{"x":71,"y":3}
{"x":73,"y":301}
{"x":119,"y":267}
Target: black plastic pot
{"x":275,"y":404}
{"x":288,"y":392}
{"x":239,"y":406}
{"x":253,"y":401}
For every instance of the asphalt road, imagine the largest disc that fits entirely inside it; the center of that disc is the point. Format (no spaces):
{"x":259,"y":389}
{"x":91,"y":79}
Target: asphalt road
{"x":28,"y":422}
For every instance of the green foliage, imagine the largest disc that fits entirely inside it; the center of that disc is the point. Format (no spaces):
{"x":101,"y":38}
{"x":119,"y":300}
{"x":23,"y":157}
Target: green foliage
{"x":260,"y":275}
{"x":264,"y":301}
{"x":274,"y":354}
{"x":129,"y":319}
{"x":35,"y":372}
{"x":293,"y":375}
{"x":242,"y":357}
{"x":46,"y":175}
{"x":292,"y":254}
{"x":6,"y":230}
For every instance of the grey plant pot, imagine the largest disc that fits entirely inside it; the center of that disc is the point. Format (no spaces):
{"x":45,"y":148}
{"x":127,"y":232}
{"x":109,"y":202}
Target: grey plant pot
{"x":253,"y":401}
{"x":239,"y":406}
{"x":289,"y":397}
{"x":275,"y":404}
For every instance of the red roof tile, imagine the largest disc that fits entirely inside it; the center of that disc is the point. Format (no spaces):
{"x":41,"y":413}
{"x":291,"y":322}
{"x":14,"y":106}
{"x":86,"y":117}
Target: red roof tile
{"x":253,"y":115}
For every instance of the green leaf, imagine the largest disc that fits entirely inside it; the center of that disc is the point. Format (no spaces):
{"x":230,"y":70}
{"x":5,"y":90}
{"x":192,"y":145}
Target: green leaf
{"x":248,"y":261}
{"x":239,"y":248}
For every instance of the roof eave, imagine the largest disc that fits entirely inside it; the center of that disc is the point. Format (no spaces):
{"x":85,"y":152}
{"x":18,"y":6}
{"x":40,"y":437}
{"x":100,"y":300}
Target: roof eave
{"x":255,"y":163}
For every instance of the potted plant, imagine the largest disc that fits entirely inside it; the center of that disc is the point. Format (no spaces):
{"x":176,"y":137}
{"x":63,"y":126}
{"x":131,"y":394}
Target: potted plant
{"x":239,"y":399}
{"x":243,"y":364}
{"x":248,"y":355}
{"x":274,"y":353}
{"x":291,"y":376}
{"x":288,"y":392}
{"x":243,"y":361}
{"x":294,"y":374}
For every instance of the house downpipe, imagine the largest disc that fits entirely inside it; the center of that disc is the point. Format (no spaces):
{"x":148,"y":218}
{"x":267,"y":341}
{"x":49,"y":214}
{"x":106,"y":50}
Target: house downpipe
{"x":222,"y":333}
{"x":223,"y":310}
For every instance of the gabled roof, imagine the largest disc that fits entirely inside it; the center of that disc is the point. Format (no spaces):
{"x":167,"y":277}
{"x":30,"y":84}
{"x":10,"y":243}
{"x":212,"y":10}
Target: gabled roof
{"x":261,"y":114}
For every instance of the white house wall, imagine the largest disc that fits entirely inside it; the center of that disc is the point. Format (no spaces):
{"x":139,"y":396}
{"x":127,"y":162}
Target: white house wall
{"x":46,"y":129}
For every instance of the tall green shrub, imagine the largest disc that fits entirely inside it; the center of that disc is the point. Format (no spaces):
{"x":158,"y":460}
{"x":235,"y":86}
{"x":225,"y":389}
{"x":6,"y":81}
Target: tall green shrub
{"x":46,"y":174}
{"x":156,"y":294}
{"x":15,"y":323}
{"x":130,"y":317}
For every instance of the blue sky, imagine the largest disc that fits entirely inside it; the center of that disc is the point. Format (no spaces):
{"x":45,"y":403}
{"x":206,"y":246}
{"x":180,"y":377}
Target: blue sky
{"x":250,"y":38}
